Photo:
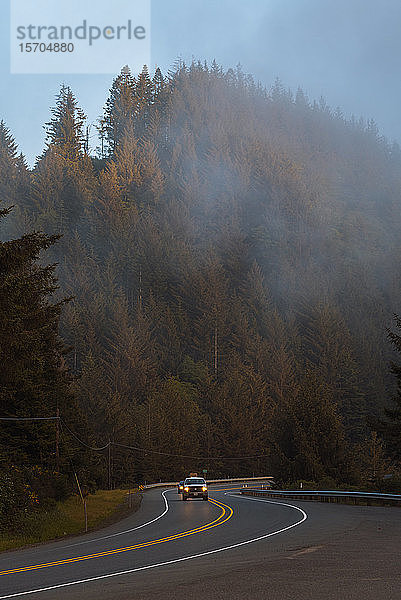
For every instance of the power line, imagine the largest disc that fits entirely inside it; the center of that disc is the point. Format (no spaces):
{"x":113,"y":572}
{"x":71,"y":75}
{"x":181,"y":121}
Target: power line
{"x":136,"y":448}
{"x":184,"y":455}
{"x":82,"y":442}
{"x":28,"y":418}
{"x":57,"y":418}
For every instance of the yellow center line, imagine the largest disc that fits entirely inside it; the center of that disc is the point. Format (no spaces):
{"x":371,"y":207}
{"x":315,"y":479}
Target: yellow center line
{"x":219,"y":521}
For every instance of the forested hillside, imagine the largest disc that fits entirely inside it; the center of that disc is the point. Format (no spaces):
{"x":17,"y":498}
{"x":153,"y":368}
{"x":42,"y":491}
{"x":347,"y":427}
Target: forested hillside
{"x":233,"y":256}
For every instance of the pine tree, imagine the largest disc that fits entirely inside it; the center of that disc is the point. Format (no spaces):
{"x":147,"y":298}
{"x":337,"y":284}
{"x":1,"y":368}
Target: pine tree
{"x":8,"y":166}
{"x":160,"y":91}
{"x":64,"y":132}
{"x":120,"y":108}
{"x":34,"y":381}
{"x":390,"y":426}
{"x":241,"y":412}
{"x":309,"y":435}
{"x":327,"y":345}
{"x":63,"y":178}
{"x":159,"y":114}
{"x":171,"y":421}
{"x":373,"y":460}
{"x":217,"y":208}
{"x":144,"y":99}
{"x":14,"y":185}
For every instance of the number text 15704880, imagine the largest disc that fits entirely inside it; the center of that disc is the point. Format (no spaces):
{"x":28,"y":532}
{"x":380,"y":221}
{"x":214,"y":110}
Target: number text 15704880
{"x":43,"y":47}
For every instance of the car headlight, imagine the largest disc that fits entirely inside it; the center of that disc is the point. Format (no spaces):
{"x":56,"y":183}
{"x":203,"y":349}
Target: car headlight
{"x":186,"y":489}
{"x":204,"y":489}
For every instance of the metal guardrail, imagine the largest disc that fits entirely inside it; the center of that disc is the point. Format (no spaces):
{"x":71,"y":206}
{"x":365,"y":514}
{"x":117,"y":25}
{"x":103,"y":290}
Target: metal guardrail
{"x":368,"y":498}
{"x":210,"y":482}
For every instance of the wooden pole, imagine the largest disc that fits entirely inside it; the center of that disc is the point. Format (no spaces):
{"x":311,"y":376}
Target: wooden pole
{"x":215,"y":351}
{"x":58,"y":440}
{"x":79,"y":487}
{"x":109,"y":465}
{"x":83,"y":502}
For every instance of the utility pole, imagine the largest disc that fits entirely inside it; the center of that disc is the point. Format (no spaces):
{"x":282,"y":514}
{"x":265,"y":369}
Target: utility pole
{"x":374,"y":454}
{"x":215,"y":351}
{"x":57,"y":439}
{"x":83,"y":503}
{"x":109,"y":464}
{"x":140,"y":289}
{"x":86,"y":142}
{"x":102,"y":133}
{"x":149,"y":424}
{"x":208,"y":446}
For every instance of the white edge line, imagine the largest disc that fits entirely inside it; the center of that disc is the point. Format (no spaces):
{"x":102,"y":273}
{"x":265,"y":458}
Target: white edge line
{"x":105,"y":537}
{"x":176,"y":560}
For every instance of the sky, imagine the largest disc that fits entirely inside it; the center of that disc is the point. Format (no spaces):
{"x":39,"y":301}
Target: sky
{"x":348,"y":51}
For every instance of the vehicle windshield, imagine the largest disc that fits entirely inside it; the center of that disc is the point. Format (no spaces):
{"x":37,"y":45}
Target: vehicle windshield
{"x":197,"y":481}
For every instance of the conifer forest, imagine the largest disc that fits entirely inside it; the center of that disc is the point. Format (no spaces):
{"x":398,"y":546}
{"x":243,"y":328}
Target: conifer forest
{"x":213,"y":284}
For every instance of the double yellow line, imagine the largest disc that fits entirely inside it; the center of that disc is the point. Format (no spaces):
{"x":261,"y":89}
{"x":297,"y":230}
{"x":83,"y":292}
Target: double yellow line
{"x":226,"y":514}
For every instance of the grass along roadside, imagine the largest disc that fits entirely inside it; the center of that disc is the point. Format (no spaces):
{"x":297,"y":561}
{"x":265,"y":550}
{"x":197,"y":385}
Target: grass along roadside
{"x":67,"y":518}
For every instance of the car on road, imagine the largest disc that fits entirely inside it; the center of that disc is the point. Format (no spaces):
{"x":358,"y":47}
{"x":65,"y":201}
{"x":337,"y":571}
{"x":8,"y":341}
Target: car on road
{"x":195,"y":487}
{"x":180,"y":487}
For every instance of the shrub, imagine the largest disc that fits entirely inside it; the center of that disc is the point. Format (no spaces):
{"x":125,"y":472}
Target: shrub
{"x":16,"y":497}
{"x":26,"y":489}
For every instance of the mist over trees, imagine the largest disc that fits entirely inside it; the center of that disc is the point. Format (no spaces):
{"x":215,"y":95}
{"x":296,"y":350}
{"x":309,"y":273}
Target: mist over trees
{"x":232,"y":255}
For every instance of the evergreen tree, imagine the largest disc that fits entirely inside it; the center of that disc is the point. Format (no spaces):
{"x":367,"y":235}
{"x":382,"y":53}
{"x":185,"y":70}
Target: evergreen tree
{"x":390,"y":426}
{"x":65,"y":130}
{"x":144,"y":96}
{"x":63,"y":178}
{"x":34,"y":381}
{"x":327,"y":345}
{"x":195,"y":251}
{"x":309,"y":435}
{"x":120,"y":108}
{"x":8,"y":166}
{"x":14,"y":184}
{"x":373,"y":460}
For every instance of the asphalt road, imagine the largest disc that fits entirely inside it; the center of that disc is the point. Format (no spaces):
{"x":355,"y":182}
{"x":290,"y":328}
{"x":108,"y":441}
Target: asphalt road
{"x":231,"y":547}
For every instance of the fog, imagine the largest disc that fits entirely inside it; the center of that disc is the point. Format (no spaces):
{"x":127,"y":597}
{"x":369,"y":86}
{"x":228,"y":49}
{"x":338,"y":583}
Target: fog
{"x":347,"y":51}
{"x":239,"y":252}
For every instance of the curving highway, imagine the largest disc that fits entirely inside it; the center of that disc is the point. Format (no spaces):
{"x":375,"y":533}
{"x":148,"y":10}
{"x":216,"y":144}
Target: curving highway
{"x":230,"y":547}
